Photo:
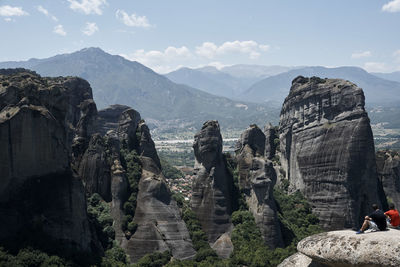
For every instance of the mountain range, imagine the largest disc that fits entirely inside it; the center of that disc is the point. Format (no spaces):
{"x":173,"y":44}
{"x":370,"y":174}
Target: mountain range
{"x":377,"y":91}
{"x":161,"y":102}
{"x":273,"y":86}
{"x":236,"y":95}
{"x":229,"y":81}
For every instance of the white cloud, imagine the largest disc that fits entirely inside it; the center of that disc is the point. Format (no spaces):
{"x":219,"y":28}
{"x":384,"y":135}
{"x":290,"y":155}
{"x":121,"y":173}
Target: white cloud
{"x":9,"y":11}
{"x":160,"y":61}
{"x":8,"y":19}
{"x":90,"y":28}
{"x":46,"y":13}
{"x":59,"y":29}
{"x":88,"y":6}
{"x":392,"y":6}
{"x":363,"y":54}
{"x":375,"y":67}
{"x":217,"y":64}
{"x":251,"y":48}
{"x":132,"y":20}
{"x":396,"y":53}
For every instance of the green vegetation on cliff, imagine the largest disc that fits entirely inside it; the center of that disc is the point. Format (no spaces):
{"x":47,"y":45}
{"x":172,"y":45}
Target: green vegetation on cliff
{"x":133,"y":173}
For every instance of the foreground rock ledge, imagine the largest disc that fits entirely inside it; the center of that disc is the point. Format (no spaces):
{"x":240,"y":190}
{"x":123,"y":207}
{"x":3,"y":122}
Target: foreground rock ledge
{"x":345,"y":249}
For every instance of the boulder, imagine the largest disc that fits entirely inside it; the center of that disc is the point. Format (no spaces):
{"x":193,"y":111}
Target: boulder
{"x":328,"y":150}
{"x":346,"y":249}
{"x":300,"y":260}
{"x":212,"y":185}
{"x":257,"y":178}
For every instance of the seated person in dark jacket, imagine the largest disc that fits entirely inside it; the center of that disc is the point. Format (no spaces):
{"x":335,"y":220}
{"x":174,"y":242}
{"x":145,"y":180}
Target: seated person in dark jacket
{"x":375,"y":221}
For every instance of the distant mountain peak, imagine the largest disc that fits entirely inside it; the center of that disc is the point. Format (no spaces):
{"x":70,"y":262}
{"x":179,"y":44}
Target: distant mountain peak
{"x":91,"y":50}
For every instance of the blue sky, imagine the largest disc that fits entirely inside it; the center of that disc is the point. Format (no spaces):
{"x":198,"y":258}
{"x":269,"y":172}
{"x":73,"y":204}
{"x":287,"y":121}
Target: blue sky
{"x":165,"y":35}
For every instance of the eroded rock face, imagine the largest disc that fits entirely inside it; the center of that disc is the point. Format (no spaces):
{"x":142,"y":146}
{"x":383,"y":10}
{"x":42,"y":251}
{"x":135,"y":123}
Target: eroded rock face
{"x":257,"y":178}
{"x":40,"y":196}
{"x":328,"y":151}
{"x":388,"y":163}
{"x":160,"y":226}
{"x":346,"y":249}
{"x":212,"y":186}
{"x":270,"y":146}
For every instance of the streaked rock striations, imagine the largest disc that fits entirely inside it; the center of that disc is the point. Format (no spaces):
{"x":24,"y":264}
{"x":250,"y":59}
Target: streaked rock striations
{"x":212,"y":188}
{"x":328,"y":150}
{"x":257,"y":178}
{"x":160,"y":226}
{"x":42,"y":200}
{"x":388,"y":163}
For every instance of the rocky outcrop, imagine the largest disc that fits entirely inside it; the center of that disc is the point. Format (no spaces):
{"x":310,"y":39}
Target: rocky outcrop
{"x":160,"y":226}
{"x":270,"y":146}
{"x":388,"y":163}
{"x":212,"y":186}
{"x":328,"y":150}
{"x":52,"y":139}
{"x":257,"y":178}
{"x":346,"y":249}
{"x":42,"y":201}
{"x":157,"y":215}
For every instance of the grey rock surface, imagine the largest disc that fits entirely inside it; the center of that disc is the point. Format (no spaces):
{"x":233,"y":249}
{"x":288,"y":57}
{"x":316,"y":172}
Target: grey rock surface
{"x":328,"y":150}
{"x":346,"y":249}
{"x":300,"y":260}
{"x":160,"y":226}
{"x":257,"y":178}
{"x":388,"y":163}
{"x":212,"y":185}
{"x":270,"y":146}
{"x":40,"y":196}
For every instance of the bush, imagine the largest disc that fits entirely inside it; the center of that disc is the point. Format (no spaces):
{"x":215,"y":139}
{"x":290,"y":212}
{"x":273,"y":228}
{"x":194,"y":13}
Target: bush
{"x":156,"y":259}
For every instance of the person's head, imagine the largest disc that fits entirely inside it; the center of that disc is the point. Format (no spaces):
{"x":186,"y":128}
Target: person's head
{"x":375,"y":207}
{"x":391,"y":206}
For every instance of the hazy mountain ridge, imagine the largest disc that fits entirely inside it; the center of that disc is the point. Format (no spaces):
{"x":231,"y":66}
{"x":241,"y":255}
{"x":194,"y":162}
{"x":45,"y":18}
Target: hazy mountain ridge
{"x":229,"y":81}
{"x":117,"y":80}
{"x":393,"y":76}
{"x":274,"y":88}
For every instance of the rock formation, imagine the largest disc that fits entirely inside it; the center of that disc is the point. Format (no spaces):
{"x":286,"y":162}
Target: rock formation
{"x":257,"y":178}
{"x":270,"y":146}
{"x":42,"y":201}
{"x":160,"y":226}
{"x":346,"y":249}
{"x":388,"y":163}
{"x":328,"y":150}
{"x":52,"y":139}
{"x":212,"y":188}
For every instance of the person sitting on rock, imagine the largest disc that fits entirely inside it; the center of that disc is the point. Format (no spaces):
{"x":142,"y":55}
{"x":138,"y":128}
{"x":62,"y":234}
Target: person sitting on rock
{"x":376,"y":221}
{"x":393,"y":215}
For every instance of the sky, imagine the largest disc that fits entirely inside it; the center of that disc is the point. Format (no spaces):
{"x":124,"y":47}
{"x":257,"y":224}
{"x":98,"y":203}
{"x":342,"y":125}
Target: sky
{"x":166,"y":35}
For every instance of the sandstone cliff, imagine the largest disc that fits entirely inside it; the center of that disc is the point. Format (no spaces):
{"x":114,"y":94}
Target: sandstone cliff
{"x":388,"y":163}
{"x":159,"y":226}
{"x":346,"y":249}
{"x":212,"y":187}
{"x":328,"y":151}
{"x":257,"y":178}
{"x":42,"y":201}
